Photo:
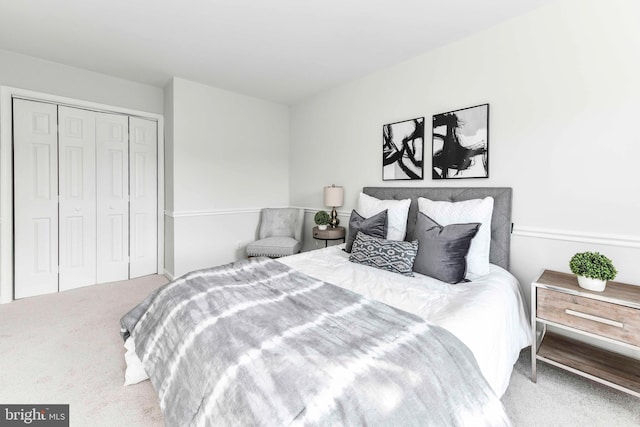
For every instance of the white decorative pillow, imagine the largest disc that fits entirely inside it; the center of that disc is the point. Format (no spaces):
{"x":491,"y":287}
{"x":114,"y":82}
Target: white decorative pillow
{"x":134,"y":372}
{"x":468,"y":211}
{"x":397,"y":213}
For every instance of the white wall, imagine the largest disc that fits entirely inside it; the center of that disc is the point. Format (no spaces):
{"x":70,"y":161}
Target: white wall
{"x":563,"y":88}
{"x":230,"y":157}
{"x":27,"y":72}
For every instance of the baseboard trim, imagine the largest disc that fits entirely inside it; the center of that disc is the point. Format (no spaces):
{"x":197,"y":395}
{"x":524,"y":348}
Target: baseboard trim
{"x":578,"y":236}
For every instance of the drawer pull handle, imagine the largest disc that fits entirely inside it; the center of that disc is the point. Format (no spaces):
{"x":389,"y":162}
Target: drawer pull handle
{"x":595,"y":318}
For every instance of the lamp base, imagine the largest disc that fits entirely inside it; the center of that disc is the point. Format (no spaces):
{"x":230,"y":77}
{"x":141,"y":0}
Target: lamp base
{"x":334,"y":218}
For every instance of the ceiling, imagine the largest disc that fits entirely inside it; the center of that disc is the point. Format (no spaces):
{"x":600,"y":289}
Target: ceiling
{"x":280,"y":50}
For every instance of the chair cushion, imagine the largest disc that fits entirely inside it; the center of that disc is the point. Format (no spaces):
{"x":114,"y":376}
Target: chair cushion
{"x":278,"y":222}
{"x":274,"y":247}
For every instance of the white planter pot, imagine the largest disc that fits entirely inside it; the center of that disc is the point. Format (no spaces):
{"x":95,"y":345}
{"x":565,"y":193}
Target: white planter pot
{"x":322,"y":227}
{"x":592,"y":284}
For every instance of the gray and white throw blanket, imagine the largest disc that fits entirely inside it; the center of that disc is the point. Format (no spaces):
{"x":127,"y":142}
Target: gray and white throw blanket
{"x":258,"y":343}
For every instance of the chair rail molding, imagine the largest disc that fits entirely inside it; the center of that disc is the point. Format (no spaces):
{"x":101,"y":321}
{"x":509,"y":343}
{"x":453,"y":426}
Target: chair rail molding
{"x":308,"y":210}
{"x":237,"y":211}
{"x":212,"y":212}
{"x":619,"y":240}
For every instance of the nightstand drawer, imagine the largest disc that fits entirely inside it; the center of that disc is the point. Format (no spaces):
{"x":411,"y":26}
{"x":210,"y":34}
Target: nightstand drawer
{"x":597,"y":317}
{"x":329,"y":234}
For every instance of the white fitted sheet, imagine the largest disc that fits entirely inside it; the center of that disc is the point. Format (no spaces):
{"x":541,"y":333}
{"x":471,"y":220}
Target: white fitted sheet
{"x":487,"y":314}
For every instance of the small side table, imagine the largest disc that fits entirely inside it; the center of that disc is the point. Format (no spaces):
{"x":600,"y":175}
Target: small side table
{"x":337,"y":233}
{"x":611,"y":316}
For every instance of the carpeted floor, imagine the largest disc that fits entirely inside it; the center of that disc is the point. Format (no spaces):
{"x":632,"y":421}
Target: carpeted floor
{"x":66,"y":348}
{"x":560,"y":398}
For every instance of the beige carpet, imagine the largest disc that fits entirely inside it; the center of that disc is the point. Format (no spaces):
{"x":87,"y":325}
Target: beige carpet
{"x":560,"y":398}
{"x":66,"y":348}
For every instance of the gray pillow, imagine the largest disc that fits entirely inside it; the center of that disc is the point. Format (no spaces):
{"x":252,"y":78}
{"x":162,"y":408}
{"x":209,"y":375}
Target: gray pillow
{"x":396,"y":256}
{"x":375,"y":226}
{"x":442,"y":251}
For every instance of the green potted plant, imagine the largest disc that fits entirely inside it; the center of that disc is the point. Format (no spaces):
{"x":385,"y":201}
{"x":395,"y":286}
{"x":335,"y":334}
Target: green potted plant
{"x":593,"y":270}
{"x":322,"y":219}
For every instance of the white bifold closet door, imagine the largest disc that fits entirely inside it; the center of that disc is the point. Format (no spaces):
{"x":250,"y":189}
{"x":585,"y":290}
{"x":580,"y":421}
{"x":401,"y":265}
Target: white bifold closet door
{"x":77,"y":207}
{"x":35,"y":175}
{"x":112,"y":167}
{"x":85,"y":197}
{"x":143,"y":208}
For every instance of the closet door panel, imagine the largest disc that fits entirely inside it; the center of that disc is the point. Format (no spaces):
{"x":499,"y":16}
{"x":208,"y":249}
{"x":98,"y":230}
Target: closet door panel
{"x":143,"y":185}
{"x":112,"y":164}
{"x":77,"y":187}
{"x":35,"y":186}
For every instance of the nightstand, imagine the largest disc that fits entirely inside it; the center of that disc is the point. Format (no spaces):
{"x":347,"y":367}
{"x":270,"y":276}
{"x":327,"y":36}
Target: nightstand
{"x":337,"y":233}
{"x":611,"y":316}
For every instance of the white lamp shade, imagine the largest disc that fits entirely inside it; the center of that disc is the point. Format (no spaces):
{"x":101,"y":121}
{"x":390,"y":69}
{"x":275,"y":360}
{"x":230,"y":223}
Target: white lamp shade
{"x":333,"y":196}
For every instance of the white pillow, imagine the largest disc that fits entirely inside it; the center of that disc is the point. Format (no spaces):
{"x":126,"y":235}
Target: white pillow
{"x":397,"y":213}
{"x":475,"y":210}
{"x":135,"y":372}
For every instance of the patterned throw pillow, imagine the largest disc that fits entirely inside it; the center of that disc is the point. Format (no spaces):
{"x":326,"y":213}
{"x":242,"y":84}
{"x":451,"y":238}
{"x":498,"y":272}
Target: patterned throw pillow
{"x":392,"y":255}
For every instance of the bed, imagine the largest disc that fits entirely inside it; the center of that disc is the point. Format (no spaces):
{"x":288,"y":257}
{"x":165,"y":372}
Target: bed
{"x":315,"y":339}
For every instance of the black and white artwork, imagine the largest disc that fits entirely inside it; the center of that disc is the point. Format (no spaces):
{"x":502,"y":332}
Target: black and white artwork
{"x":403,"y":150}
{"x":461,"y":143}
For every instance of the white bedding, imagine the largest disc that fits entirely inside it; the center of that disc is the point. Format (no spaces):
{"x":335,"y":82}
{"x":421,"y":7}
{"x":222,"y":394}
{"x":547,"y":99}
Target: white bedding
{"x":487,"y":314}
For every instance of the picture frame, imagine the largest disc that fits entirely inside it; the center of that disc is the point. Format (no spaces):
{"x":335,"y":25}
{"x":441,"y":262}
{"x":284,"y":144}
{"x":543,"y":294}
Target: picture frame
{"x":461,"y":143}
{"x":403,"y":150}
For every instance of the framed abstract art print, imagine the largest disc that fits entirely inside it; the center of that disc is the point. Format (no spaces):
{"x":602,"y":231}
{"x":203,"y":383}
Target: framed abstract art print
{"x":461,"y":143}
{"x":403,"y":150}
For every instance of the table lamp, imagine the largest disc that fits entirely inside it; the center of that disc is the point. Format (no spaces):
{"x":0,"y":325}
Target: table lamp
{"x":334,"y":197}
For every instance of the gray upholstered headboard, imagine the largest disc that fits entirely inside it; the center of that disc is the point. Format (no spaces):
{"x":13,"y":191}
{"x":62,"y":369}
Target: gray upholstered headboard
{"x":500,"y":220}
